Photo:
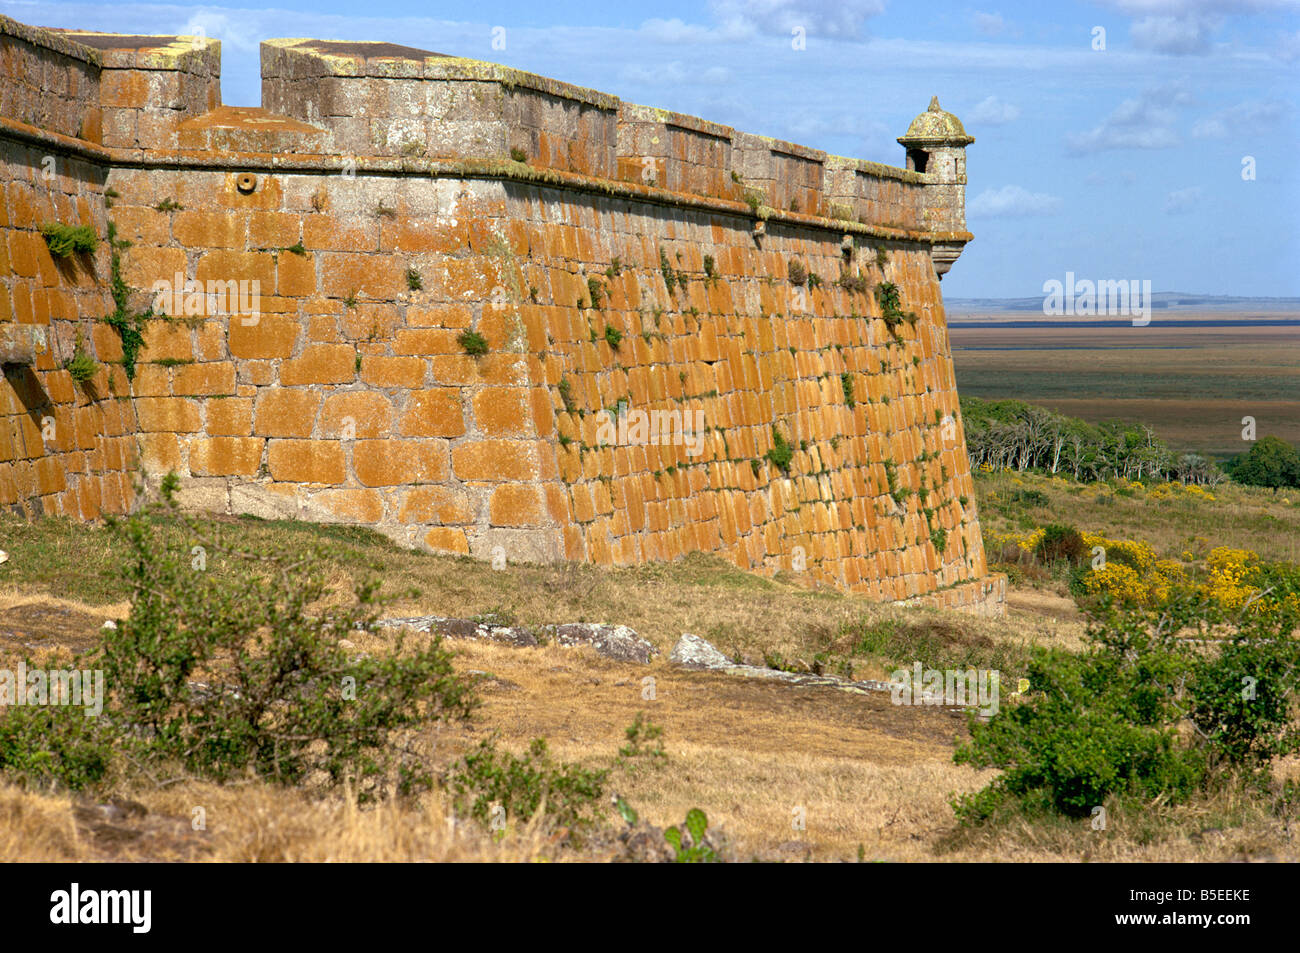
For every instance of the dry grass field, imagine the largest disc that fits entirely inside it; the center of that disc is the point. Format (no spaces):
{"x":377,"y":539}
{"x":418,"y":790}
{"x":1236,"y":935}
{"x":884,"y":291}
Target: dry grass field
{"x":1237,"y":516}
{"x":873,"y":780}
{"x":1192,"y":385}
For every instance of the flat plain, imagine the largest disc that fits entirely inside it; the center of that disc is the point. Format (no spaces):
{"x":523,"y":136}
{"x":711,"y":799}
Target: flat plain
{"x":1191,"y":376}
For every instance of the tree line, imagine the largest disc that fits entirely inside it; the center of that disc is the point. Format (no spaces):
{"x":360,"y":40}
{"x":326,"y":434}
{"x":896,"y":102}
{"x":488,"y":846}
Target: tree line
{"x":1012,"y":434}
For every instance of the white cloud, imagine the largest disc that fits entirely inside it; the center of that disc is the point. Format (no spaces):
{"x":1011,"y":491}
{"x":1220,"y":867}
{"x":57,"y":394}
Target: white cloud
{"x":1012,"y":201}
{"x":994,"y":112}
{"x":990,"y":24}
{"x":1180,"y":36}
{"x":1142,"y":122}
{"x":1182,"y":200}
{"x":831,"y":18}
{"x":678,"y":32}
{"x":1241,"y":119}
{"x":1288,"y":47}
{"x":220,"y":26}
{"x":1187,"y":27}
{"x":675,"y":73}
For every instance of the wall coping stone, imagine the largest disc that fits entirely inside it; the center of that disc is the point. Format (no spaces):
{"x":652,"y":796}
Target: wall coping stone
{"x":51,"y":38}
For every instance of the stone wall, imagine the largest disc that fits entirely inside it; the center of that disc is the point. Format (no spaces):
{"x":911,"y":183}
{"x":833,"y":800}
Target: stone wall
{"x":65,"y":447}
{"x":636,"y":262}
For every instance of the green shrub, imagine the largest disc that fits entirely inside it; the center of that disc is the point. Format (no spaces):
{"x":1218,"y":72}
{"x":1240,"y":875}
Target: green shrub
{"x":229,"y":665}
{"x":1061,"y":543}
{"x":51,"y":746}
{"x":521,"y":786}
{"x":1241,"y":696}
{"x":644,"y":742}
{"x":518,"y":155}
{"x":613,"y":336}
{"x":1111,"y":721}
{"x":1030,"y":498}
{"x":128,"y":323}
{"x":891,"y":310}
{"x":67,"y":240}
{"x":666,"y":269}
{"x":228,"y":673}
{"x":1079,"y":739}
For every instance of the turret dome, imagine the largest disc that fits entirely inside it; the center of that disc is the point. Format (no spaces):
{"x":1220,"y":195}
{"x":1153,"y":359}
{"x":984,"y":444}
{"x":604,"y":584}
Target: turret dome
{"x":935,"y":127}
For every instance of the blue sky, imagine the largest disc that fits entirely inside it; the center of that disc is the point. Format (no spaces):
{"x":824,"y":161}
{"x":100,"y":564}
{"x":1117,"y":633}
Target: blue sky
{"x":1122,"y":162}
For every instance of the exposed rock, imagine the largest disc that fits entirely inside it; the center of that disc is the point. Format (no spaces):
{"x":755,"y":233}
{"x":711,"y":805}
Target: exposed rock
{"x":691,"y":651}
{"x":612,"y":641}
{"x":517,"y":635}
{"x":617,"y":641}
{"x":643,"y":843}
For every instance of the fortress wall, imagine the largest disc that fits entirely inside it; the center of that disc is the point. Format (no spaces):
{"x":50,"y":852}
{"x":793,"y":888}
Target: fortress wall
{"x":465,"y":454}
{"x":48,"y":82}
{"x":348,"y":397}
{"x":680,"y":153}
{"x":622,"y":265}
{"x":878,"y":194}
{"x":145,"y":92}
{"x":66,"y":448}
{"x":415,"y":104}
{"x":749,"y":351}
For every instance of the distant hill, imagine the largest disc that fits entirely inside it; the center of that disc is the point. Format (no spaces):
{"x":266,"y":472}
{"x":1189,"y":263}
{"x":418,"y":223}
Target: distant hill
{"x":1160,"y":301}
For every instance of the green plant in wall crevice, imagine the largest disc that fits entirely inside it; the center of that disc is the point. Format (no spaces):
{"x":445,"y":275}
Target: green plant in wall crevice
{"x":473,"y":343}
{"x":127,"y":323}
{"x":81,"y":366}
{"x":67,"y":240}
{"x":781,"y":453}
{"x":891,"y":310}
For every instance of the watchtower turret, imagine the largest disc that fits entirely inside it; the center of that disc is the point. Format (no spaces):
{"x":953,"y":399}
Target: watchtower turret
{"x":936,"y":145}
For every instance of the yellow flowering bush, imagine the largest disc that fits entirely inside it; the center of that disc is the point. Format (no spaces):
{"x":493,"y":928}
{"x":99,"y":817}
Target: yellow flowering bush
{"x":1118,"y":581}
{"x":1134,"y":574}
{"x":1134,"y":553}
{"x":1025,"y":542}
{"x":1228,"y":583}
{"x":1176,"y":490}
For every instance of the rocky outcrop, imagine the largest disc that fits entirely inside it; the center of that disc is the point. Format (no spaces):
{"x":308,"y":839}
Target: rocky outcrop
{"x":611,"y":641}
{"x":691,"y":651}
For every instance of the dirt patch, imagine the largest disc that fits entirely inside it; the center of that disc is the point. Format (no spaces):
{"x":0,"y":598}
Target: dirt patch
{"x":122,"y":829}
{"x":47,"y":625}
